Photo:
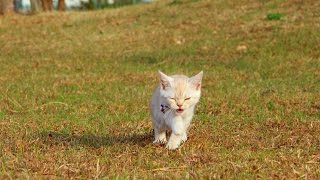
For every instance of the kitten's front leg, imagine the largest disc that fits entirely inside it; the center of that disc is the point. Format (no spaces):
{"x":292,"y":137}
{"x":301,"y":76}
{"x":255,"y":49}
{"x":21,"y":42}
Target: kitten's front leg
{"x":159,"y":136}
{"x":187,"y":121}
{"x":178,"y":133}
{"x":174,"y":141}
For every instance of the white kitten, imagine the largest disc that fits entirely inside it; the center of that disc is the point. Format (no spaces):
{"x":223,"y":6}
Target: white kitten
{"x":172,"y":107}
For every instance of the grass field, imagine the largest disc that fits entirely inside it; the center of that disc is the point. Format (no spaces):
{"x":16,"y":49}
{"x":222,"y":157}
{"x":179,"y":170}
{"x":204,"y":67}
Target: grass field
{"x":75,"y":89}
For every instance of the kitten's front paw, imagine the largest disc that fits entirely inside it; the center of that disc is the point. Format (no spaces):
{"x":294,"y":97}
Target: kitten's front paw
{"x":160,"y":141}
{"x":172,"y":145}
{"x":184,"y":138}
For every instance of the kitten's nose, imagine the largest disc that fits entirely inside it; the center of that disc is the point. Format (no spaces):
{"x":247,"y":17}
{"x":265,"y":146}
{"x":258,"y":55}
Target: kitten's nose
{"x":179,"y":105}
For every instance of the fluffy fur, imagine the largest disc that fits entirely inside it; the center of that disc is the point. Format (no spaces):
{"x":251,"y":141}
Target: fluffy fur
{"x":172,"y":107}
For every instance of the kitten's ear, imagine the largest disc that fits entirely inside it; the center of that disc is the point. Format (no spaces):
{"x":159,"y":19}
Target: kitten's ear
{"x":165,"y":81}
{"x":196,"y":80}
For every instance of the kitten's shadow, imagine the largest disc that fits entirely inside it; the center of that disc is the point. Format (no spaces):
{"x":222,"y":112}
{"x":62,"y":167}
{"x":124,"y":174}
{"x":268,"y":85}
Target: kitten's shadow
{"x":49,"y":137}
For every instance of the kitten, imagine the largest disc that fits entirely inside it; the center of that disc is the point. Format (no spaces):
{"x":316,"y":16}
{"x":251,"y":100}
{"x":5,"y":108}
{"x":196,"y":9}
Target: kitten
{"x":172,"y":107}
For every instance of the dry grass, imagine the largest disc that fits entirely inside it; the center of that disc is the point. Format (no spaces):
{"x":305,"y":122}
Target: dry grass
{"x":75,"y":89}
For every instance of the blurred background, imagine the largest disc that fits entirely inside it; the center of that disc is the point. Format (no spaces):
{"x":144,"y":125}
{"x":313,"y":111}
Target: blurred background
{"x":36,"y":6}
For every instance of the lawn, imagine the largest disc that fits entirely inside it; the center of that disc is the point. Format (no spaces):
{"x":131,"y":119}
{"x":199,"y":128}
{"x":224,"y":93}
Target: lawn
{"x":75,"y":89}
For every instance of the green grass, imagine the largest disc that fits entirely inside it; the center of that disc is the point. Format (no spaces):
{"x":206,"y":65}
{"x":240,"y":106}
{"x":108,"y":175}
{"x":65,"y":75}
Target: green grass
{"x":75,"y":89}
{"x":274,"y":16}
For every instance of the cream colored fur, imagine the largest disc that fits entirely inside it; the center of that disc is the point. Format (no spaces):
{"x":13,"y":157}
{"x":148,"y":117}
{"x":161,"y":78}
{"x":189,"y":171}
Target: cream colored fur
{"x":172,"y":92}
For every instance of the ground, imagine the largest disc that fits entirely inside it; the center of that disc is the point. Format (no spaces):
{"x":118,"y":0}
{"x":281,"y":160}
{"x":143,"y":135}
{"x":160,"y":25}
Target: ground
{"x":75,"y":89}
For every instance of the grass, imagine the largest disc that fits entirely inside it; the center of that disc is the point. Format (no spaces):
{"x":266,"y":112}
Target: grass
{"x":274,"y":16}
{"x":75,"y":88}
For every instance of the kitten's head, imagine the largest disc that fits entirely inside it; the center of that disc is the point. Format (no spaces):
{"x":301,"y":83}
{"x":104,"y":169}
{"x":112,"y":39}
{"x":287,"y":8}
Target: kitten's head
{"x":180,"y":92}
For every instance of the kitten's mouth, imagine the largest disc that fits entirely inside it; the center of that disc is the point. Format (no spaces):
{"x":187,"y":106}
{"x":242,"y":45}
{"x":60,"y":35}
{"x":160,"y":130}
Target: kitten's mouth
{"x":179,"y":110}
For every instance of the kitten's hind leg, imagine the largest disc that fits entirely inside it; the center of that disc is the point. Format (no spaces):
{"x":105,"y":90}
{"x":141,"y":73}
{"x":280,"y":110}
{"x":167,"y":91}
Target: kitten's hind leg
{"x":159,"y":136}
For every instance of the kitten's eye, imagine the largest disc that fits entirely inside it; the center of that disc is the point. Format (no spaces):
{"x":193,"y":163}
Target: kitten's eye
{"x":172,"y":98}
{"x":187,"y":99}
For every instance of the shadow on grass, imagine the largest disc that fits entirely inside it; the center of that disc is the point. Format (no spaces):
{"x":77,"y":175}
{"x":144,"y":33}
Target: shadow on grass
{"x":56,"y":138}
